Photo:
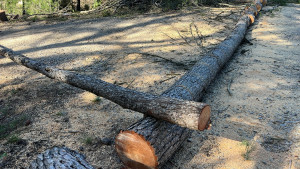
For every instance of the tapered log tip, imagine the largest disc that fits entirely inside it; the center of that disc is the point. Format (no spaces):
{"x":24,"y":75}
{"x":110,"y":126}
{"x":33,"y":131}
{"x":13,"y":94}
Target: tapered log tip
{"x":135,"y":151}
{"x":204,"y":118}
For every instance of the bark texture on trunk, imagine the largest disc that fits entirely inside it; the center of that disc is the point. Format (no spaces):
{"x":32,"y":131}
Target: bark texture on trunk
{"x":160,"y":138}
{"x":185,"y":113}
{"x":60,"y":157}
{"x":78,"y":5}
{"x":3,"y":16}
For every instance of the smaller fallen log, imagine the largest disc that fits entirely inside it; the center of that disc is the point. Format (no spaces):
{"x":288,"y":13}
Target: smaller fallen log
{"x":3,"y":16}
{"x":60,"y":158}
{"x":189,"y":114}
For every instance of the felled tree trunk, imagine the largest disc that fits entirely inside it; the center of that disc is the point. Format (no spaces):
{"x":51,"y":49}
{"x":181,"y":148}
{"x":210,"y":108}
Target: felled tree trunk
{"x":60,"y":158}
{"x":185,"y":113}
{"x":149,"y":143}
{"x":3,"y":16}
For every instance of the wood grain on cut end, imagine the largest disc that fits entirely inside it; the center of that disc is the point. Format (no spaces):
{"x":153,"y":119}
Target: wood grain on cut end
{"x":135,"y":151}
{"x":252,"y":18}
{"x":204,"y":118}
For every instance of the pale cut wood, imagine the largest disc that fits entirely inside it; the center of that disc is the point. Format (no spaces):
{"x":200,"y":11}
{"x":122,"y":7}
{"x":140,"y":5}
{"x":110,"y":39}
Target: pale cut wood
{"x":185,"y":113}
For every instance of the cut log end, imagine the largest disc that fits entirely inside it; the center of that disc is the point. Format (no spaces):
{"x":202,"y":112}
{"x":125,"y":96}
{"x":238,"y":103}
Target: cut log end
{"x":252,"y":18}
{"x":135,"y":151}
{"x":204,"y":118}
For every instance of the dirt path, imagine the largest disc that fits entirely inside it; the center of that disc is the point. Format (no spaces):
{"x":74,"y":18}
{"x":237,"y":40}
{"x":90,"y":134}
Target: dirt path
{"x":149,"y":53}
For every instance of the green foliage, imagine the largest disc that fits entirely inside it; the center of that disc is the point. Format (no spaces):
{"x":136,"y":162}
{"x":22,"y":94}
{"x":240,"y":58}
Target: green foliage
{"x":86,"y":7}
{"x":38,"y":6}
{"x":97,"y":3}
{"x":4,"y":112}
{"x":30,"y":6}
{"x":106,"y":13}
{"x":3,"y":155}
{"x":280,"y":2}
{"x":97,"y":99}
{"x":88,"y":140}
{"x":177,"y":4}
{"x":249,"y":149}
{"x":6,"y":128}
{"x":246,"y":143}
{"x":60,"y":113}
{"x":172,"y":4}
{"x":13,"y":139}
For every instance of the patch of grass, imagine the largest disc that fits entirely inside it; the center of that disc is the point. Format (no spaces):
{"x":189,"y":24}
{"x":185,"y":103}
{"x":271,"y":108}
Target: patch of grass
{"x":280,"y":2}
{"x":249,"y":149}
{"x":15,"y":91}
{"x":60,"y":113}
{"x":7,"y":127}
{"x":13,"y":139}
{"x":106,"y":13}
{"x":3,"y":155}
{"x":97,"y":99}
{"x":4,"y":112}
{"x":88,"y":140}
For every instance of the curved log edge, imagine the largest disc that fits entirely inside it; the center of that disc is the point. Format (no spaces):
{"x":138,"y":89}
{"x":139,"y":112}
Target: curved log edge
{"x":60,"y":157}
{"x":185,"y":113}
{"x":166,"y":138}
{"x":140,"y":147}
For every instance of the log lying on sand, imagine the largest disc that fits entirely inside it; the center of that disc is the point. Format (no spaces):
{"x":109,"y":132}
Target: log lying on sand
{"x":149,"y":143}
{"x":60,"y":157}
{"x":185,"y":113}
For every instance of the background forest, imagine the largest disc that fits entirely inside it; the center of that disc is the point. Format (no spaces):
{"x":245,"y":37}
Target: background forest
{"x":31,"y":7}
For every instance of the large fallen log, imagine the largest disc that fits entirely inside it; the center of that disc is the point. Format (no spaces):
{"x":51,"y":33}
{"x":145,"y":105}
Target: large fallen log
{"x":60,"y":157}
{"x":185,"y":113}
{"x":149,"y":143}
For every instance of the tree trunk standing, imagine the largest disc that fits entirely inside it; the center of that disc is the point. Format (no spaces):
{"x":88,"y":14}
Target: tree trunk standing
{"x":78,"y":5}
{"x":149,"y":143}
{"x":3,"y":16}
{"x":60,"y":158}
{"x":185,"y":113}
{"x":23,"y":7}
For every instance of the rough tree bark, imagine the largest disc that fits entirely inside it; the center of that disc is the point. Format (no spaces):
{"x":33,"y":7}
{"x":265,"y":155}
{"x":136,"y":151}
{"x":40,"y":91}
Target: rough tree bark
{"x":60,"y":158}
{"x":185,"y":113}
{"x":23,"y":7}
{"x":149,"y":143}
{"x":78,"y":5}
{"x":3,"y":16}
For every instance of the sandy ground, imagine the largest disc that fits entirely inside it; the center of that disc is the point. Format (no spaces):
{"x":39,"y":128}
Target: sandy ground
{"x":257,"y":126}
